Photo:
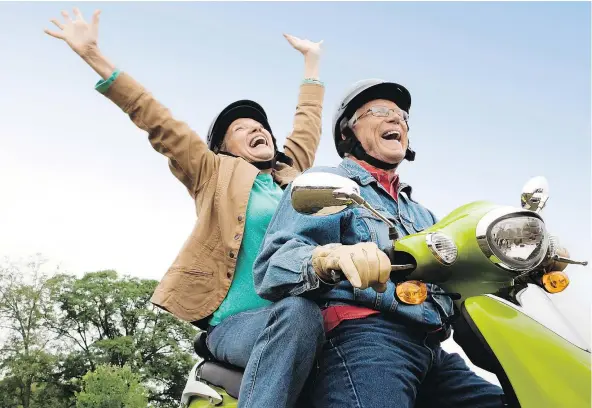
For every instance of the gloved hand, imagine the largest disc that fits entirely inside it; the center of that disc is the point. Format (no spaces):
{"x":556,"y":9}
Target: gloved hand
{"x":363,"y":264}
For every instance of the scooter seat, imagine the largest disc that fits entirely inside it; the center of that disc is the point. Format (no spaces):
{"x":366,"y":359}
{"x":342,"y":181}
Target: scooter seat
{"x":215,"y":372}
{"x":221,"y":375}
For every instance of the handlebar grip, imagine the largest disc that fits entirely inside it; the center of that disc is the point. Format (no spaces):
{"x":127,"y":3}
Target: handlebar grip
{"x":336,"y":275}
{"x":390,"y":252}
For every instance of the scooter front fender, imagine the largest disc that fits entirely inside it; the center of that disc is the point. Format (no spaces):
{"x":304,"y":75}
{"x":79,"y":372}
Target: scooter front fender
{"x":541,"y":368}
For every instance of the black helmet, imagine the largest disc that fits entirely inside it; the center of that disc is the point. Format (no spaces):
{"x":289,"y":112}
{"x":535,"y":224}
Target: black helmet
{"x":237,"y":110}
{"x":360,"y":93}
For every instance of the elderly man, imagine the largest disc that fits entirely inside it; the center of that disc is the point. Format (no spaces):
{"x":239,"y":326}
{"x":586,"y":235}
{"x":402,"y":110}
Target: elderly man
{"x":379,"y":352}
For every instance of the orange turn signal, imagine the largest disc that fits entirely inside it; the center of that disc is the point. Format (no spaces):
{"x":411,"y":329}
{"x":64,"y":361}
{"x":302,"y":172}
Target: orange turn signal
{"x":412,"y":292}
{"x":555,"y":282}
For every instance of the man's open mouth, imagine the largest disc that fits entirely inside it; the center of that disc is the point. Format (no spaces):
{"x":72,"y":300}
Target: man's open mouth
{"x":392,"y":135}
{"x":258,"y":140}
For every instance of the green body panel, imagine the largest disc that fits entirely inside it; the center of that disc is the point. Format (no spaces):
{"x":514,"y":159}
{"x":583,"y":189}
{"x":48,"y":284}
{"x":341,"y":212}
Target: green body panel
{"x":473,"y":273}
{"x":544,"y":369}
{"x":227,"y":401}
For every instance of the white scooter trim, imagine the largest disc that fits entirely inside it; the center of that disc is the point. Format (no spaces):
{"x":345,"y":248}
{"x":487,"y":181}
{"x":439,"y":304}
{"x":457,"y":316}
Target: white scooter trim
{"x":536,"y":304}
{"x":195,"y":388}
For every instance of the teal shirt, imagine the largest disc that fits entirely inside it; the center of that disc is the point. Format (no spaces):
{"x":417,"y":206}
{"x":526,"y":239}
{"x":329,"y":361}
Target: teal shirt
{"x":263,"y":201}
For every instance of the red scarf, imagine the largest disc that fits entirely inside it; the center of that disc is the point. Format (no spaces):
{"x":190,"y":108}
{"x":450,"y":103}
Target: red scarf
{"x":387,"y":178}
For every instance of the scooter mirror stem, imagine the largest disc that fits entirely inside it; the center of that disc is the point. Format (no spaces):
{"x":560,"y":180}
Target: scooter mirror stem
{"x":359,"y":200}
{"x":393,"y":234}
{"x":562,"y":259}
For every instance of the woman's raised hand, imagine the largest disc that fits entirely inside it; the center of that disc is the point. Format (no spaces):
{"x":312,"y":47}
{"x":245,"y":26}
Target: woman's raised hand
{"x":81,"y":36}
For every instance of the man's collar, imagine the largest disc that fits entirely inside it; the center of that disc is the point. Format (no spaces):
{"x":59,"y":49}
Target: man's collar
{"x":363,"y":177}
{"x":388,"y":176}
{"x":357,"y":172}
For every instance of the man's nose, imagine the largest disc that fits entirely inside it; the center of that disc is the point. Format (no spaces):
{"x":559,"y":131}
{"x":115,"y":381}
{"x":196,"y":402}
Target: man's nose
{"x":394,"y":118}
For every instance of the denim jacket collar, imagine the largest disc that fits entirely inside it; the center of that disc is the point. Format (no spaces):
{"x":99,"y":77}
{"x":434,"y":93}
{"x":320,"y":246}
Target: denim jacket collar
{"x":361,"y":176}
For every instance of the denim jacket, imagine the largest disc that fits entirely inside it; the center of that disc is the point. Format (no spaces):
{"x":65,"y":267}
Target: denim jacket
{"x":283,"y":267}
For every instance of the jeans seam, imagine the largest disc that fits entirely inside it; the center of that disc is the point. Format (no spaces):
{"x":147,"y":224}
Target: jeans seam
{"x":351,"y":384}
{"x":431,"y":358}
{"x":255,"y":369}
{"x":378,"y":301}
{"x":394,"y":306}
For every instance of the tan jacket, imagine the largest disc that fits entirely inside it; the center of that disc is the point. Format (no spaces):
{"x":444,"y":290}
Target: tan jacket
{"x":199,"y":279}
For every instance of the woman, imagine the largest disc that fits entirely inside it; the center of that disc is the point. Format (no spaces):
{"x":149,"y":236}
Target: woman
{"x":236,"y":181}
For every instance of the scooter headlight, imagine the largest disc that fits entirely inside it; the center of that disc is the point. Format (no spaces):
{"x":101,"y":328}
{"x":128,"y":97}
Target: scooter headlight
{"x":519,"y":241}
{"x":442,"y":247}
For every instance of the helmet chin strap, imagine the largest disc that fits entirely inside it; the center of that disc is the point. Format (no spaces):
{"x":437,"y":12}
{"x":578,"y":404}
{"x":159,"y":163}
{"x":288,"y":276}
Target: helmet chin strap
{"x":359,"y":153}
{"x":265,"y":165}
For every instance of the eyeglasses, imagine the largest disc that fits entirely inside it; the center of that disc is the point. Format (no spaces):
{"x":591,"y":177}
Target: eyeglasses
{"x":381,"y":112}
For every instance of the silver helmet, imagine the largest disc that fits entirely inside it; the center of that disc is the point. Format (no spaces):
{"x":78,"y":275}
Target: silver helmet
{"x":360,"y":93}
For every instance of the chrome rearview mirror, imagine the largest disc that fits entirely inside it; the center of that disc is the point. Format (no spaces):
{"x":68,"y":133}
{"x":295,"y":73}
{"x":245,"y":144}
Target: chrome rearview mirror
{"x":323,"y":193}
{"x":535,"y":194}
{"x":326,"y":194}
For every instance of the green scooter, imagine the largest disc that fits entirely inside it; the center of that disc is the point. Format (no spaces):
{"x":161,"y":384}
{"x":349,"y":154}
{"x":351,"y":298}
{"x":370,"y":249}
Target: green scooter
{"x":494,"y":261}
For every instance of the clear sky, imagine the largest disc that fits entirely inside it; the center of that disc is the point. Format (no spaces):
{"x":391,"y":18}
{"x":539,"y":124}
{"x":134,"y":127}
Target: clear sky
{"x":501,"y":93}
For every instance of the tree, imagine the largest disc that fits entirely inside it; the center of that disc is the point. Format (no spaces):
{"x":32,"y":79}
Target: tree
{"x":110,"y":320}
{"x":26,"y":346}
{"x":56,"y":328}
{"x":111,"y":387}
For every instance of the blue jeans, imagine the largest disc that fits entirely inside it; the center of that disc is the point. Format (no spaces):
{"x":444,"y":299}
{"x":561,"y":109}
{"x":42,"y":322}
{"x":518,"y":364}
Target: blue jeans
{"x":277,"y":345}
{"x":374,"y":362}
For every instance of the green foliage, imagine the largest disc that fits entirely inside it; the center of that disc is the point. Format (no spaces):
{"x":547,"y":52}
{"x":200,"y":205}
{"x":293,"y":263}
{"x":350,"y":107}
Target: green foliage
{"x":61,"y":327}
{"x":27,"y":345}
{"x":112,"y":387}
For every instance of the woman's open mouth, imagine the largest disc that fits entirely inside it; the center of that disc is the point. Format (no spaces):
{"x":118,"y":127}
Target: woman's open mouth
{"x":257,"y":141}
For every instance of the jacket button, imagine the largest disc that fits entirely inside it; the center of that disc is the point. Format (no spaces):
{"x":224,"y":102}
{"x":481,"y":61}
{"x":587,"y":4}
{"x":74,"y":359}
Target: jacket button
{"x":237,"y":237}
{"x":231,"y":254}
{"x":240,"y":218}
